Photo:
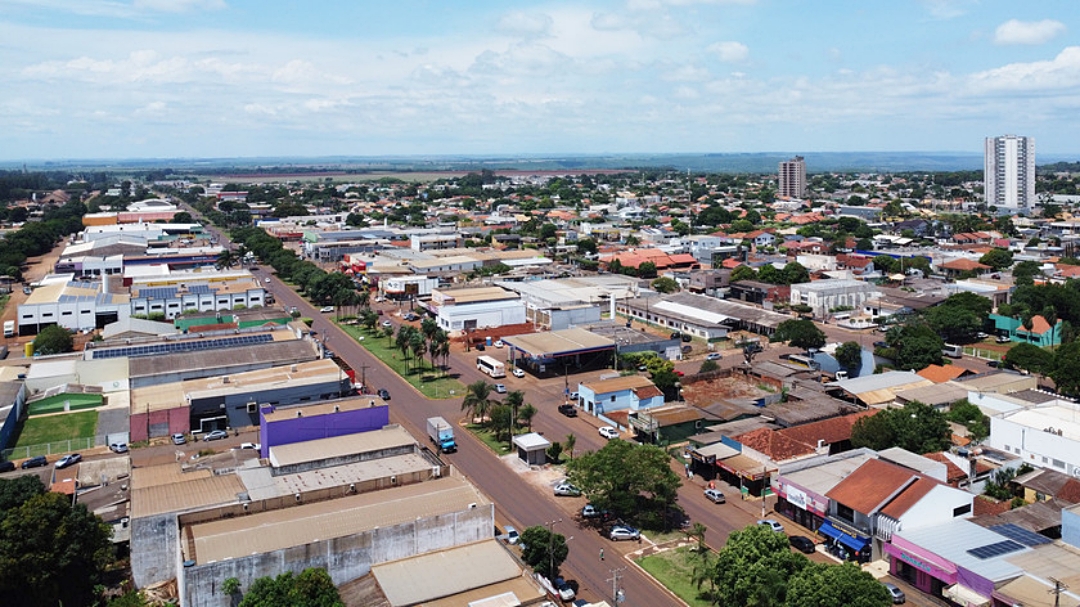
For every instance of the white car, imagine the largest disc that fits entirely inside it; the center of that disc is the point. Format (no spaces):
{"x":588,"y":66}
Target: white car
{"x":512,"y":536}
{"x":608,"y":432}
{"x":387,"y":324}
{"x":499,"y":344}
{"x":713,"y":356}
{"x":255,"y":446}
{"x":567,"y":490}
{"x":518,"y":372}
{"x":267,"y":280}
{"x":500,"y":388}
{"x":327,"y":309}
{"x":623,"y":532}
{"x":715,"y":496}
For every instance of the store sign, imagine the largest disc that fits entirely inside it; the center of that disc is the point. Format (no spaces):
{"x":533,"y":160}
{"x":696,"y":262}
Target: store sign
{"x":796,"y":497}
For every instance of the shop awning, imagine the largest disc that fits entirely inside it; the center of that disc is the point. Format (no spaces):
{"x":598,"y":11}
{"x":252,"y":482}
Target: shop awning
{"x":855,"y":543}
{"x":743,"y":466}
{"x":965,"y":596}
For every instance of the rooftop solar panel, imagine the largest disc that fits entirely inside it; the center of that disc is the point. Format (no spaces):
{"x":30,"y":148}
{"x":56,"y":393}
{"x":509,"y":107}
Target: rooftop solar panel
{"x":191,"y":345}
{"x":1019,"y":534}
{"x":995,"y":549}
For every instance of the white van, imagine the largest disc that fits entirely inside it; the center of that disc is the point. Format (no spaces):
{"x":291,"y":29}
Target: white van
{"x":953,"y":351}
{"x":9,"y":328}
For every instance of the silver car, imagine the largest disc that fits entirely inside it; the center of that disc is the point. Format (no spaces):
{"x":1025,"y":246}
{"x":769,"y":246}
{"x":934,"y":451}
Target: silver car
{"x":715,"y":496}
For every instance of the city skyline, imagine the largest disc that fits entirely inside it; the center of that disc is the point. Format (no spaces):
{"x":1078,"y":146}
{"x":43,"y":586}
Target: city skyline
{"x":237,"y":78}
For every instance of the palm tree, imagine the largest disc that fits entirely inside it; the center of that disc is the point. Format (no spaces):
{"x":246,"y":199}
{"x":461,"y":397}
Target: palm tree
{"x":568,"y":444}
{"x":402,"y":343}
{"x":477,"y":399}
{"x":444,"y":350}
{"x":416,"y":344}
{"x":226,"y":259}
{"x":526,"y":414}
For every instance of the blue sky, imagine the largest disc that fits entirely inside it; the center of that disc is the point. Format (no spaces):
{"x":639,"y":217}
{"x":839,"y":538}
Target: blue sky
{"x":223,"y":78}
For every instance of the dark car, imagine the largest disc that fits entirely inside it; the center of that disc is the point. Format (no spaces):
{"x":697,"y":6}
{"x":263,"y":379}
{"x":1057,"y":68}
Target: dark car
{"x":802,"y":544}
{"x":686,"y":337}
{"x":35,"y":462}
{"x":384,"y":394}
{"x":7,"y":466}
{"x":568,"y":410}
{"x":676,"y":335}
{"x":881,"y":344}
{"x":481,"y":347}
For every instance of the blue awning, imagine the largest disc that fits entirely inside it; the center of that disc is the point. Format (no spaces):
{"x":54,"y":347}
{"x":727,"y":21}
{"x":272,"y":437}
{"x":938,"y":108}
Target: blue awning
{"x":855,"y":543}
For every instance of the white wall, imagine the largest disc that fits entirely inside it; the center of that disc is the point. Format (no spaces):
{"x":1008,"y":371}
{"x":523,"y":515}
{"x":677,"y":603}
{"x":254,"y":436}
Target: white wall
{"x":1035,"y":446}
{"x":937,"y":507}
{"x":487,"y":314}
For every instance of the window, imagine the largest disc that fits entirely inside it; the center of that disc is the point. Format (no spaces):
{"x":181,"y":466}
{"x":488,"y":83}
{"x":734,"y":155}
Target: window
{"x":961,"y":510}
{"x":612,"y":398}
{"x":66,"y":313}
{"x":1059,"y":464}
{"x":845,"y":513}
{"x":1008,"y":448}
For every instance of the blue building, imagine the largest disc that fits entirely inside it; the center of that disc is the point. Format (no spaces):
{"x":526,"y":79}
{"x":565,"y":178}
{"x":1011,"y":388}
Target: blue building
{"x":630,"y":392}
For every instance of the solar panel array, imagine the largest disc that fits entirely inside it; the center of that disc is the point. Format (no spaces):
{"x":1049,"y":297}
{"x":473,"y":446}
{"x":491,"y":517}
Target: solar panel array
{"x":995,"y":549}
{"x":158,"y":292}
{"x":1019,"y":534}
{"x":200,"y":289}
{"x":194,"y":345}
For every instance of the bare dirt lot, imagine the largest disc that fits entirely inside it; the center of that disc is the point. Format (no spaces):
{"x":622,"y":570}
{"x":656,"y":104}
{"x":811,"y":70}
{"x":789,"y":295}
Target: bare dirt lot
{"x":705,"y":392}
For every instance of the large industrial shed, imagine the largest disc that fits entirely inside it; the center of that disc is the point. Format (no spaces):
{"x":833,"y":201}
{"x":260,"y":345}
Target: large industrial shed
{"x":559,"y":352}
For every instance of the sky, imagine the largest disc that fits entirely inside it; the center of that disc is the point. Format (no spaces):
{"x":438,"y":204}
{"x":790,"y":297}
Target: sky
{"x":94,"y":79}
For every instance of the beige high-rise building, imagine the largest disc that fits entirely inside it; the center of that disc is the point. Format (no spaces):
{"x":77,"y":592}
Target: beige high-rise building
{"x":793,"y":178}
{"x":1009,"y":172}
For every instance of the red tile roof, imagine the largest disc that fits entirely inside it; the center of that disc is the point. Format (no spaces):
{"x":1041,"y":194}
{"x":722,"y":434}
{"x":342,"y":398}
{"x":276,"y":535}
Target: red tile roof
{"x":985,"y":506}
{"x":940,"y":374}
{"x":774,"y":445}
{"x":829,"y":431}
{"x":909,"y":497}
{"x":871,"y":485}
{"x":953,"y":473}
{"x":964,"y":265}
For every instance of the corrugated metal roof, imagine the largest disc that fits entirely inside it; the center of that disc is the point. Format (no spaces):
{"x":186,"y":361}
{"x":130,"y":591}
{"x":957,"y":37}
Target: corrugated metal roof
{"x":445,"y":573}
{"x":189,"y":495}
{"x":558,"y":342}
{"x":339,"y":446}
{"x":952,"y":540}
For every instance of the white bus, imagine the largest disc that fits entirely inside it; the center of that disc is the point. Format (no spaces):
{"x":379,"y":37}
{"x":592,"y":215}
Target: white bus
{"x":491,"y":366}
{"x":804,"y":361}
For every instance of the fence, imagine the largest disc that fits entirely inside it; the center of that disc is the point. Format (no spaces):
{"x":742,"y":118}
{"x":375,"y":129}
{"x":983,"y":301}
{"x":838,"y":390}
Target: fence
{"x":53,"y":448}
{"x":983,"y":354}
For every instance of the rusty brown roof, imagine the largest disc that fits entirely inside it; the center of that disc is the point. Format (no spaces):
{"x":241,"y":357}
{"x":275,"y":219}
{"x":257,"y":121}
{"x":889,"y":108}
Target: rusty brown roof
{"x":832,"y":430}
{"x":909,"y":497}
{"x":773,"y":444}
{"x":871,"y":485}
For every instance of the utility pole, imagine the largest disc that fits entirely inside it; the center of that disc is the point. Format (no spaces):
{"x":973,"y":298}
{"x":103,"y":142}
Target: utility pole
{"x":363,"y":377}
{"x":617,"y":594}
{"x":1058,"y":589}
{"x":551,"y":549}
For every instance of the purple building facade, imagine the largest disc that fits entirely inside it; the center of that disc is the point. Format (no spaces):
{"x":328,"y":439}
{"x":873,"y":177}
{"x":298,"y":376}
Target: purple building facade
{"x":284,"y":426}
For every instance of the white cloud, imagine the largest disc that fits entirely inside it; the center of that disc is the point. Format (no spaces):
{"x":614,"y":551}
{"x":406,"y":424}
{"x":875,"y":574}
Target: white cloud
{"x":1014,"y":31}
{"x":1061,"y":73}
{"x":730,"y":51}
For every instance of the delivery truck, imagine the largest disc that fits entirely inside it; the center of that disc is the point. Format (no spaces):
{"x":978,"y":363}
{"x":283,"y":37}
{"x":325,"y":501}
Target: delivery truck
{"x":442,"y":434}
{"x":9,"y":328}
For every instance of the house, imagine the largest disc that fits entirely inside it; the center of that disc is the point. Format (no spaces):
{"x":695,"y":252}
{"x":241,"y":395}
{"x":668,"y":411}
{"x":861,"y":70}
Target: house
{"x":757,"y":292}
{"x":632,"y":392}
{"x":960,"y":266}
{"x":826,"y":296}
{"x":1040,"y":334}
{"x":1045,"y":435}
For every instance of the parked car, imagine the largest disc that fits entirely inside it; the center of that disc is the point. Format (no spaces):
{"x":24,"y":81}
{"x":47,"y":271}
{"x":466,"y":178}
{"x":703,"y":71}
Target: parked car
{"x":713,"y":356}
{"x":255,"y":446}
{"x":326,"y":309}
{"x":7,"y":466}
{"x":715,"y":496}
{"x":500,"y":388}
{"x":675,"y":335}
{"x":118,"y":448}
{"x":27,"y":290}
{"x":499,"y":344}
{"x":881,"y":344}
{"x":387,"y":324}
{"x":643,"y":368}
{"x":770,"y":523}
{"x":575,"y":396}
{"x":568,"y":410}
{"x":518,"y":372}
{"x":608,"y":432}
{"x":802,"y":544}
{"x":566,"y":490}
{"x":480,"y":347}
{"x":384,"y":394}
{"x":898,"y":596}
{"x":566,"y":593}
{"x":623,"y":532}
{"x":68,"y":460}
{"x":267,"y":280}
{"x":178,"y":439}
{"x":686,"y":337}
{"x":1003,"y":339}
{"x":37,"y":461}
{"x":590,"y":511}
{"x":215,"y":435}
{"x":512,"y":535}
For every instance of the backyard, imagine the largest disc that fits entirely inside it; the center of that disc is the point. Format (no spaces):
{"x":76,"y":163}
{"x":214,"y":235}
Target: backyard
{"x":432,"y":384}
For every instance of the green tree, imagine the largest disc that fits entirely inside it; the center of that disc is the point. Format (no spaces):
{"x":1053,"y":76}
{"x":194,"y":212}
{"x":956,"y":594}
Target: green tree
{"x":53,"y":339}
{"x":646,"y":269}
{"x":665,"y":285}
{"x":544,"y":551}
{"x":526,"y":414}
{"x":743,"y":273}
{"x":708,"y":366}
{"x":976,"y":304}
{"x":1025,"y":272}
{"x":1029,"y":357}
{"x":998,"y":259}
{"x":953,"y":323}
{"x":312,"y":588}
{"x":970,"y":416}
{"x":801,"y":333}
{"x":846,"y":585}
{"x":1066,"y":371}
{"x":916,"y":345}
{"x":51,"y":552}
{"x":633,"y":480}
{"x":849,"y":355}
{"x":795,"y":273}
{"x":917,"y":427}
{"x":754,"y":566}
{"x":569,"y":443}
{"x":477,"y":400}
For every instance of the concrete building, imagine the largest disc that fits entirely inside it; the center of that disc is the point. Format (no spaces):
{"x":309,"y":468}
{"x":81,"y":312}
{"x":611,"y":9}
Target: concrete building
{"x":632,"y":392}
{"x":825,"y":296}
{"x":433,"y":242}
{"x":1009,"y":172}
{"x":280,"y":426}
{"x":476,"y":308}
{"x":792,"y":178}
{"x":699,"y":315}
{"x":1045,"y":435}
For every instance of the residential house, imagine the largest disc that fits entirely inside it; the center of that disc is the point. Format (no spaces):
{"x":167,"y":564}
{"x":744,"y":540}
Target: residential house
{"x":1040,"y":334}
{"x":633,"y":392}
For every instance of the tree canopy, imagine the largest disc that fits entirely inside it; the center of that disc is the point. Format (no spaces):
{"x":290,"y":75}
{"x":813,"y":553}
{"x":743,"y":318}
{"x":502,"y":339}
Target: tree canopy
{"x":635,"y":481}
{"x":917,"y":427}
{"x":53,"y":339}
{"x":916,"y":345}
{"x":312,"y":588}
{"x":1031,"y":358}
{"x":51,"y":552}
{"x":826,"y":585}
{"x":543,"y":550}
{"x":800,"y":334}
{"x":849,"y":355}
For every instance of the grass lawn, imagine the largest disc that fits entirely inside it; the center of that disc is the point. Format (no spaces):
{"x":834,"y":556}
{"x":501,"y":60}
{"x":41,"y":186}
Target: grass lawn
{"x":431,"y":384}
{"x":51,"y":433}
{"x":673,"y":569}
{"x":488,"y":438}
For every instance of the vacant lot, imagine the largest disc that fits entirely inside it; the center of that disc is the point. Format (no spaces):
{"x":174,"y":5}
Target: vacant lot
{"x":51,"y":434}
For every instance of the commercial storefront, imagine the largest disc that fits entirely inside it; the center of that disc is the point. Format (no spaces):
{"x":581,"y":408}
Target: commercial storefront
{"x":920,"y":568}
{"x":800,"y":504}
{"x":845,"y":543}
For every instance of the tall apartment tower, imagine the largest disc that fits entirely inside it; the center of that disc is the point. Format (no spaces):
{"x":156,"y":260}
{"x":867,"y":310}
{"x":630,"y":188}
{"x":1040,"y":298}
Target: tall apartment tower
{"x":1009,"y":172}
{"x":793,"y":178}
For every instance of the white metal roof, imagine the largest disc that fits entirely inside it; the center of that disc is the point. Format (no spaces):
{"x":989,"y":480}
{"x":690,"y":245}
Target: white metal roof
{"x":953,"y":539}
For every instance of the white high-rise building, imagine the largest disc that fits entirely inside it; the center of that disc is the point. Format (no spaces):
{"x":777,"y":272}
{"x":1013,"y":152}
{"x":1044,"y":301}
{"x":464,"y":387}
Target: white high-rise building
{"x":793,"y":178}
{"x":1009,"y":172}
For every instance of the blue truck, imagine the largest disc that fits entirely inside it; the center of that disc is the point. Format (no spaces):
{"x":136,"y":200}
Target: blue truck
{"x":442,"y":434}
